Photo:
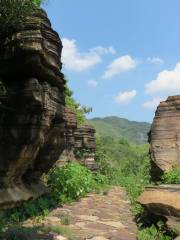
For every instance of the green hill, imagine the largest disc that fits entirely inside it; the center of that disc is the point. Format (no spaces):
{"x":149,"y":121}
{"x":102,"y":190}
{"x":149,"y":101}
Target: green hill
{"x":116,"y":127}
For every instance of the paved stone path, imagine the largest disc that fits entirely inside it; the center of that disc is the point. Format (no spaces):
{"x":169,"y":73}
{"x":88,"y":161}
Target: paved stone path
{"x":97,"y":217}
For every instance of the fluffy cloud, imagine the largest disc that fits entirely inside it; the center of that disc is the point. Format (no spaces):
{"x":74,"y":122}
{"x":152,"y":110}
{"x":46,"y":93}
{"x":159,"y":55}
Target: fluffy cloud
{"x":125,"y":97}
{"x":152,"y":104}
{"x":166,"y":82}
{"x":92,"y":83}
{"x":155,"y":60}
{"x":77,"y":61}
{"x":119,"y":65}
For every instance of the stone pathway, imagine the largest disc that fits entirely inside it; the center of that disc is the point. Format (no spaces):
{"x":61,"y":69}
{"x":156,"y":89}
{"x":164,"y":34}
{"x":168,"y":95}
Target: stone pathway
{"x":97,"y":217}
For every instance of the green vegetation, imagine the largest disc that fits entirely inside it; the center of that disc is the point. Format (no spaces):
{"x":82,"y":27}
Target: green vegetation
{"x":120,"y":163}
{"x":70,"y":182}
{"x":172,"y":177}
{"x":13,"y":13}
{"x":26,"y":233}
{"x":19,"y":232}
{"x":64,"y":231}
{"x":78,"y":109}
{"x":117,"y":128}
{"x":127,"y":165}
{"x":153,"y":233}
{"x":124,"y":164}
{"x":66,"y":184}
{"x":65,"y":219}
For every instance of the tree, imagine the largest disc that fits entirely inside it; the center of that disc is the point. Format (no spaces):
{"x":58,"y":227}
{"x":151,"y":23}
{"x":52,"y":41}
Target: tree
{"x":80,"y":110}
{"x":13,"y":13}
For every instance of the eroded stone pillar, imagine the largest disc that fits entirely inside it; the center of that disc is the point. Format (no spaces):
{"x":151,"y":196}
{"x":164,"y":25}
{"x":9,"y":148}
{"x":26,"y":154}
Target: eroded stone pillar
{"x":32,"y":101}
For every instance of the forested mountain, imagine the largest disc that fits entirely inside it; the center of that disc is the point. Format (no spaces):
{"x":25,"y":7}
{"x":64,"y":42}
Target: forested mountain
{"x":116,"y":127}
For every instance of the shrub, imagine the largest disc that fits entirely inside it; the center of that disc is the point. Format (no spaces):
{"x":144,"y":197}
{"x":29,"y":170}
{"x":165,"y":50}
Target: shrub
{"x":153,"y":233}
{"x":70,"y":182}
{"x":172,"y":177}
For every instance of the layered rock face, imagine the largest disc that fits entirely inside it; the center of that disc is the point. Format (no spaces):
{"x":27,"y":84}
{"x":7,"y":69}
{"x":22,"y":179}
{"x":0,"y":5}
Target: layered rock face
{"x":80,"y":143}
{"x":163,"y":200}
{"x":164,"y":137}
{"x":32,"y":124}
{"x":36,"y":129}
{"x":85,"y":145}
{"x":70,"y":126}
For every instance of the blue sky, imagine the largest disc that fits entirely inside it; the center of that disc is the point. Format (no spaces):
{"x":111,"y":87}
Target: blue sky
{"x":122,"y":57}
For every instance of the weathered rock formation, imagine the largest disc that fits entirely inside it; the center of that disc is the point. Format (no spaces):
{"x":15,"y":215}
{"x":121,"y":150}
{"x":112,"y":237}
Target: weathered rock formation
{"x":80,"y":143}
{"x":70,"y":127}
{"x":164,"y":137}
{"x":163,"y":200}
{"x":36,"y":128}
{"x":85,"y":146}
{"x":32,"y":103}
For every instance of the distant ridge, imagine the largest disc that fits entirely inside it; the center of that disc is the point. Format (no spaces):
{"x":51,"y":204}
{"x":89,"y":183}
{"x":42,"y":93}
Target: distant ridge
{"x":117,"y":127}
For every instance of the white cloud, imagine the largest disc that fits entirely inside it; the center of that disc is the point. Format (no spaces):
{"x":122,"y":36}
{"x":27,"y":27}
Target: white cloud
{"x":155,"y":60}
{"x":119,"y":65}
{"x":77,"y":61}
{"x":102,"y":50}
{"x":152,"y":104}
{"x":92,"y":83}
{"x":166,"y":82}
{"x":125,"y":97}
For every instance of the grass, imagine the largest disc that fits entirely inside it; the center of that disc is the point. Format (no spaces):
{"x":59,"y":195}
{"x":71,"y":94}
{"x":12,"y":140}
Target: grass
{"x":29,"y":233}
{"x":61,"y":230}
{"x":65,"y":218}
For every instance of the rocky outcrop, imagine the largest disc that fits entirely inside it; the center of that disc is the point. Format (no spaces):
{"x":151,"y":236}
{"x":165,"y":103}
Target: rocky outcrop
{"x":80,"y":143}
{"x":36,"y":129}
{"x":85,"y":145}
{"x":70,"y":127}
{"x":164,"y":137}
{"x":32,"y":125}
{"x":163,"y":200}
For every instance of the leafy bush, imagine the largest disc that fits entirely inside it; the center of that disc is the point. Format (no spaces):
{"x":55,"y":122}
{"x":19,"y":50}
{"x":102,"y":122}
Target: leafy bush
{"x":153,"y":233}
{"x":172,"y":177}
{"x":36,"y":209}
{"x":70,"y":182}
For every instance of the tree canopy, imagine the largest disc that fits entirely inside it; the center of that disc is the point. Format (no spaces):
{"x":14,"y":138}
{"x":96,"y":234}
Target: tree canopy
{"x":13,"y":12}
